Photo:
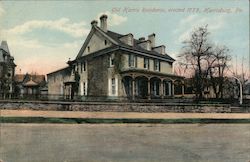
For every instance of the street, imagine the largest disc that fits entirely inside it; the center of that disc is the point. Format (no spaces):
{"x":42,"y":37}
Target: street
{"x":125,"y":142}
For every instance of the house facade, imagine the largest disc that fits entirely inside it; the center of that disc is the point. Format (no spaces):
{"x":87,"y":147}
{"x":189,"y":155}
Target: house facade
{"x":7,"y":71}
{"x":115,"y":66}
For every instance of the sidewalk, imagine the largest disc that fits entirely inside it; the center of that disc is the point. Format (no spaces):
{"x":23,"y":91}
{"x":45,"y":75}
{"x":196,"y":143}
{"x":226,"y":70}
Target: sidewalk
{"x":121,"y":115}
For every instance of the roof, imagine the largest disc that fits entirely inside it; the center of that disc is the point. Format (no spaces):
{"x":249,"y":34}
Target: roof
{"x":30,"y":83}
{"x":115,"y":39}
{"x":136,"y":47}
{"x":25,"y":78}
{"x":19,"y":78}
{"x":67,"y":69}
{"x":146,"y":72}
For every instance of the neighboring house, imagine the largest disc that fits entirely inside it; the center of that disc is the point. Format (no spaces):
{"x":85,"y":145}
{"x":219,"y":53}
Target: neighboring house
{"x":29,"y":85}
{"x":230,"y":89}
{"x":7,"y":71}
{"x":115,"y":66}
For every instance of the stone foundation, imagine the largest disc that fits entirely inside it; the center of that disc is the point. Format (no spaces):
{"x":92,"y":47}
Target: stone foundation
{"x":118,"y":107}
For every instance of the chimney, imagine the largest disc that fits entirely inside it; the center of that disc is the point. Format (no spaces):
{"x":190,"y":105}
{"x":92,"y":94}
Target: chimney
{"x":94,"y":23}
{"x":145,"y":45}
{"x":152,"y":39}
{"x":159,"y":49}
{"x":104,"y":25}
{"x":142,"y":39}
{"x":128,"y":39}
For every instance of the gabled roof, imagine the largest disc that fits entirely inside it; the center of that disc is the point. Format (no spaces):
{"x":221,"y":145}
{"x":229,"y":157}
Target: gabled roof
{"x":25,"y":78}
{"x":30,"y":83}
{"x":93,"y":29}
{"x":115,"y":39}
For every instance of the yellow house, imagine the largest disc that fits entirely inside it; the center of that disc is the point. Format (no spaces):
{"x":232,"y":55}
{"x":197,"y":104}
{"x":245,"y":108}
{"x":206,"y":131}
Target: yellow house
{"x":115,"y":66}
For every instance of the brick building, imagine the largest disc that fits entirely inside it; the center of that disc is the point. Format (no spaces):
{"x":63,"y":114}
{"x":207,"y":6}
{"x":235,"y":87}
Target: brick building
{"x":115,"y":66}
{"x":7,"y":71}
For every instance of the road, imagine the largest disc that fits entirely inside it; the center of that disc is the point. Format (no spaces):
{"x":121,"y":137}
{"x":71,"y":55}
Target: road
{"x":125,"y":142}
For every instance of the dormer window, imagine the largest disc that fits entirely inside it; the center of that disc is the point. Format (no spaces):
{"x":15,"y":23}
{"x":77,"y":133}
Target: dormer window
{"x":127,"y":39}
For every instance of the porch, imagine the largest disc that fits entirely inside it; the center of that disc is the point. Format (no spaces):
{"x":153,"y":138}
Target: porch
{"x":151,"y":85}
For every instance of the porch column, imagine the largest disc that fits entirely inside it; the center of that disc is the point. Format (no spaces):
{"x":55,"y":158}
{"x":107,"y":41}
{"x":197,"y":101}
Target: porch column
{"x":149,"y":90}
{"x":162,"y":89}
{"x":63,"y":95}
{"x":133,"y":89}
{"x":182,"y":90}
{"x":169,"y":89}
{"x":173,"y":88}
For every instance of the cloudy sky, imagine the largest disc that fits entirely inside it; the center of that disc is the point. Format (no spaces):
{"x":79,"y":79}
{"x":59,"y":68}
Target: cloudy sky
{"x":43,"y":35}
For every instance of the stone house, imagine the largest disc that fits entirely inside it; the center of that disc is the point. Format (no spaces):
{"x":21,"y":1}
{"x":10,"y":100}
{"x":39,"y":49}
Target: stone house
{"x":115,"y":66}
{"x":7,"y":71}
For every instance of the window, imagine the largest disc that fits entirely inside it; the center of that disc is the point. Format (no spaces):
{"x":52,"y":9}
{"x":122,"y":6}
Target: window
{"x":77,"y":68}
{"x":146,"y":63}
{"x":156,"y":87}
{"x":132,"y":60}
{"x":105,"y":42}
{"x":84,"y":88}
{"x":83,"y":66}
{"x":88,"y":49}
{"x":113,"y":86}
{"x":156,"y":65}
{"x":112,"y":60}
{"x":61,"y":88}
{"x":167,"y":88}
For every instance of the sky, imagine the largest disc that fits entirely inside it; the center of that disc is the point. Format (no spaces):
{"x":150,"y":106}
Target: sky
{"x":43,"y":35}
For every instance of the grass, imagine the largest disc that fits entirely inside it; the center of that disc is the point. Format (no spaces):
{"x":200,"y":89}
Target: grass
{"x":114,"y":121}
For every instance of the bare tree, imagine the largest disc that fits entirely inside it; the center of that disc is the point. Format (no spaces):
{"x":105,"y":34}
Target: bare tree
{"x":216,"y":68}
{"x":207,"y":61}
{"x":195,"y":53}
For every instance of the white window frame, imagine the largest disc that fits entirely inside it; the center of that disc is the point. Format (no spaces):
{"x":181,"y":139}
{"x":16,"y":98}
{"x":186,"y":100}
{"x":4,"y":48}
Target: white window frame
{"x":157,"y":65}
{"x":146,"y":63}
{"x":113,"y":86}
{"x":132,"y":60}
{"x":84,"y":88}
{"x":83,"y":66}
{"x":111,"y":60}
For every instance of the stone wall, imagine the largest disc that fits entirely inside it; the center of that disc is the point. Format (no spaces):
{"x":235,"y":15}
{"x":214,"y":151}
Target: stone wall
{"x":118,"y":107}
{"x":98,"y":76}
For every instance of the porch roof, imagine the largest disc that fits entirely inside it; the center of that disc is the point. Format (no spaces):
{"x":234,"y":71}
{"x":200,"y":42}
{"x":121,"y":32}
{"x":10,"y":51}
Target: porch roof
{"x":149,"y":74}
{"x":69,"y":82}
